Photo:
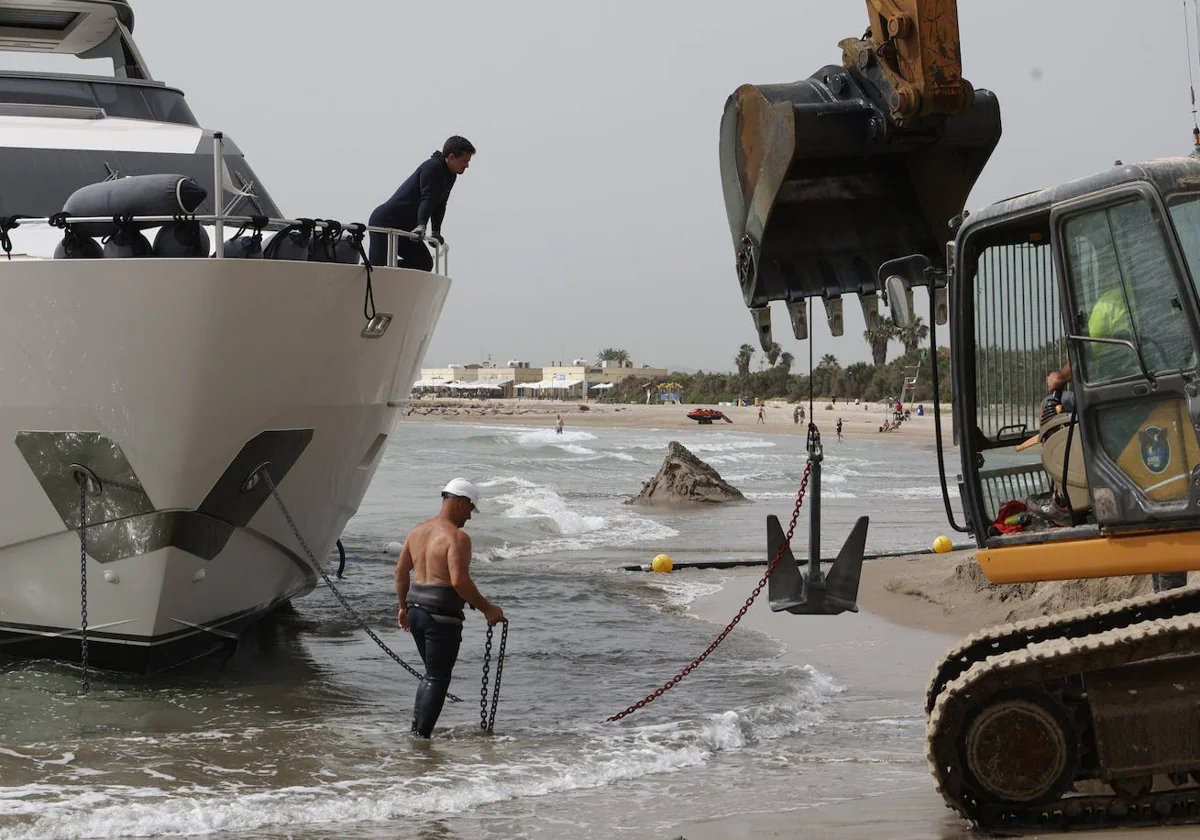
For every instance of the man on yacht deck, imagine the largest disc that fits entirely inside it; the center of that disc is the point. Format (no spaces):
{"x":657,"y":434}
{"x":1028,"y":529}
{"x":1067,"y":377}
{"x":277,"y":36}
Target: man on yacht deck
{"x":419,"y":203}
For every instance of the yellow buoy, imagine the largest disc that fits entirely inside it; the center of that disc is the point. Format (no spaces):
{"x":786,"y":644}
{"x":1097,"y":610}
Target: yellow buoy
{"x":663,"y":563}
{"x":942,"y":544}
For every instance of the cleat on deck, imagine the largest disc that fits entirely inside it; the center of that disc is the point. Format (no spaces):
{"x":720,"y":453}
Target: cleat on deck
{"x":806,"y":593}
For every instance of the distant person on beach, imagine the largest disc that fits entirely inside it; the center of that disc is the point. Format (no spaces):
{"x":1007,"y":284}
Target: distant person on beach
{"x":419,"y":203}
{"x":437,"y":554}
{"x":839,"y":428}
{"x":760,"y":415}
{"x":558,"y":425}
{"x":796,"y":415}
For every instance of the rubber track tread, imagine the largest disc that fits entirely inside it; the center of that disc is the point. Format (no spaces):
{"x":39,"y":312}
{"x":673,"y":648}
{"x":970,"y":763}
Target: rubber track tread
{"x":1029,"y":667}
{"x":1006,"y":638}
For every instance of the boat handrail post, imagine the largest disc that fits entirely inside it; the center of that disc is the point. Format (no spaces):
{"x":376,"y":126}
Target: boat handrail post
{"x":218,"y":194}
{"x":393,"y":249}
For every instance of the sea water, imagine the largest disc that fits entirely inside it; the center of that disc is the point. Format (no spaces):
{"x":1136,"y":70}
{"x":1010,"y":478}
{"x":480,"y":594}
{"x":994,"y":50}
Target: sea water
{"x":304,"y":732}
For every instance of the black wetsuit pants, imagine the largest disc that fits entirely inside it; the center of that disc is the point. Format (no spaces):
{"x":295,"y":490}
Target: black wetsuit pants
{"x":412,"y":254}
{"x":438,"y":644}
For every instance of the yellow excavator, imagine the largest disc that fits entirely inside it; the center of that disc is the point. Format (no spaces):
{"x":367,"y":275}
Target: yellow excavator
{"x":853,"y":181}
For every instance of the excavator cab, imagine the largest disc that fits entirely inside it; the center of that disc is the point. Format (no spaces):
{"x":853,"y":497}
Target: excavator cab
{"x":1100,"y":272}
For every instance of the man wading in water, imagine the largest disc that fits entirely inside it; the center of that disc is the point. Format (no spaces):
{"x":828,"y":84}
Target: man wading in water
{"x":438,"y":553}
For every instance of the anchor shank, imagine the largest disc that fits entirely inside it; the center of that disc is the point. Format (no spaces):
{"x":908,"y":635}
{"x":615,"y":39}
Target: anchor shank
{"x":816,"y":455}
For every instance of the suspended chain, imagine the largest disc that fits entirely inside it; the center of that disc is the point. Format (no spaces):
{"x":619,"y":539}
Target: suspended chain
{"x":83,"y":606}
{"x":486,"y":721}
{"x":787,"y":541}
{"x":362,"y":623}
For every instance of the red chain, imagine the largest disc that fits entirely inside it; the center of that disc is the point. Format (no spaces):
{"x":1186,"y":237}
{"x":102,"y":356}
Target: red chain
{"x":671,"y":683}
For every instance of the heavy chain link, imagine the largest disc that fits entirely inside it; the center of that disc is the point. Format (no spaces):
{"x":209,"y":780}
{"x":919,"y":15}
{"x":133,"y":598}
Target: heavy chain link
{"x":362,"y":623}
{"x":488,"y":721}
{"x":83,"y":601}
{"x":674,"y":681}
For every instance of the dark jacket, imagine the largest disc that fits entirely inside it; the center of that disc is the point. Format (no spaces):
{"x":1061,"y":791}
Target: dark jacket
{"x":421,"y":199}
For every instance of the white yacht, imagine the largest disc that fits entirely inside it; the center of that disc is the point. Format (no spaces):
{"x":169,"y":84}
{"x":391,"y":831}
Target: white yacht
{"x":146,"y":397}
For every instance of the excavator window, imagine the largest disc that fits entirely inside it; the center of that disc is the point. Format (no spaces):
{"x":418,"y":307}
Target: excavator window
{"x":1019,"y":338}
{"x":1124,"y":287}
{"x":1185,"y":213}
{"x":1127,"y":283}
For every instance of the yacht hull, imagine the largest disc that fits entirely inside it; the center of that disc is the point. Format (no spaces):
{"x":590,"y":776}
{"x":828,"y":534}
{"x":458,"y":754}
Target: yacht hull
{"x":172,"y":383}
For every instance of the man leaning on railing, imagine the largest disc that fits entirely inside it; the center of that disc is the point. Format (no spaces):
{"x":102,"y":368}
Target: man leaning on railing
{"x":419,"y":203}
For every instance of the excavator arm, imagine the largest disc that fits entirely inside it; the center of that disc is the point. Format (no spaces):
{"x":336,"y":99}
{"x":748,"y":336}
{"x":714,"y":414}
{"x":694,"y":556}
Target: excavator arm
{"x":827,"y":178}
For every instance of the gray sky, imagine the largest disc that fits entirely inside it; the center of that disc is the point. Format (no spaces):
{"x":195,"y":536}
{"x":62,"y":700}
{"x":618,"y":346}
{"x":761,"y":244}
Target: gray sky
{"x":592,"y":215}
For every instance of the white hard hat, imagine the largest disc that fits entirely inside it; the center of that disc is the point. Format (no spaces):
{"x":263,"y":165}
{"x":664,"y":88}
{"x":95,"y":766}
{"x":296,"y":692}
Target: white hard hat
{"x":463,"y":488}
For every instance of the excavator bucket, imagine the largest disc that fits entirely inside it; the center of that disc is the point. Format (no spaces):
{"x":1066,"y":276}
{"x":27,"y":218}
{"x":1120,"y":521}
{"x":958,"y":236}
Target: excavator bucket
{"x":790,"y":590}
{"x":822,"y":184}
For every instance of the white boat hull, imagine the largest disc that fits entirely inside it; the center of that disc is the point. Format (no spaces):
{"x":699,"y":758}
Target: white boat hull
{"x":173,"y":380}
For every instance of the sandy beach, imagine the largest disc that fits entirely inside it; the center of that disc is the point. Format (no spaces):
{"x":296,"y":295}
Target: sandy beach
{"x":914,"y":610}
{"x":858,"y":421}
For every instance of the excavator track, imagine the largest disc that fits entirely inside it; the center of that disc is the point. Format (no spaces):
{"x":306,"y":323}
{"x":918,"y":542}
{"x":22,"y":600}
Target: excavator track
{"x":1011,"y":736}
{"x":1006,"y":638}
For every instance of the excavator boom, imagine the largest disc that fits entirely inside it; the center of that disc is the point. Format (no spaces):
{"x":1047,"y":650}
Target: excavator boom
{"x":827,"y":178}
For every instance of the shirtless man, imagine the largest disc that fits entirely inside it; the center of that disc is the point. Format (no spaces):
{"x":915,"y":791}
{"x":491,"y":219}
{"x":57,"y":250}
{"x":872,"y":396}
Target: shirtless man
{"x":438,"y":554}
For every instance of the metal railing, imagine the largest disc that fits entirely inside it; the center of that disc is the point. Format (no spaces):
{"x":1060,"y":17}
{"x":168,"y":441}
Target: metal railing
{"x":219,"y":220}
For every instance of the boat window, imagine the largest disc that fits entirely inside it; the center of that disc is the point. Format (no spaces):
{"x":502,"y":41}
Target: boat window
{"x":128,"y":100}
{"x":1124,"y":287}
{"x":64,"y":63}
{"x":37,"y":182}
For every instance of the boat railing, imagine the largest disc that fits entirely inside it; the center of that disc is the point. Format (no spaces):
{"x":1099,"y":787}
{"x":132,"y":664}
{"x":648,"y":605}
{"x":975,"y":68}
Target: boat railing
{"x":264,"y":224}
{"x":220,"y":220}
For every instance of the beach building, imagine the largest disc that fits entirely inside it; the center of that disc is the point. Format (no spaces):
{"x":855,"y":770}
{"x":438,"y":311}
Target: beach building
{"x":482,"y":379}
{"x":558,"y":380}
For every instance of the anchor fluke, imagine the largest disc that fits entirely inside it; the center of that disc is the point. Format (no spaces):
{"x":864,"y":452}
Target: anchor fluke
{"x":790,"y":590}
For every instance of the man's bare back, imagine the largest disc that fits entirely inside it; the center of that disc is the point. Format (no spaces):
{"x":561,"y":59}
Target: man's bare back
{"x":438,"y":552}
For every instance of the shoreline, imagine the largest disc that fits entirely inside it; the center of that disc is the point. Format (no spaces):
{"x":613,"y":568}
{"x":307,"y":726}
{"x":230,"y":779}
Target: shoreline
{"x":859,"y":422}
{"x":913,"y":610}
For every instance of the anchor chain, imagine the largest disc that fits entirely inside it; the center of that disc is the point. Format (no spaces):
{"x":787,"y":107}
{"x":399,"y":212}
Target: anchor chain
{"x":674,"y":681}
{"x":488,"y":721}
{"x":362,"y":623}
{"x":83,"y":595}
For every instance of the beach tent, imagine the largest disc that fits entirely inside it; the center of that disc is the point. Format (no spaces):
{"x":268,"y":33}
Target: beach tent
{"x":602,"y":386}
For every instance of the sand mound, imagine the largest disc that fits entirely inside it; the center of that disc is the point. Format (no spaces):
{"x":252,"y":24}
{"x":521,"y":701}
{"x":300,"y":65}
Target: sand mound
{"x":1030,"y":600}
{"x":949,"y":593}
{"x":684,"y":479}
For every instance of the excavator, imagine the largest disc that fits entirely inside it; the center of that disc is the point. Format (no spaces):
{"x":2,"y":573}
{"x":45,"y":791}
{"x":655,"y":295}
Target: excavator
{"x":854,"y":181}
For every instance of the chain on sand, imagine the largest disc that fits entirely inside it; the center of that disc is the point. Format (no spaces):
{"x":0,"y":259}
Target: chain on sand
{"x":674,"y":681}
{"x":341,"y":598}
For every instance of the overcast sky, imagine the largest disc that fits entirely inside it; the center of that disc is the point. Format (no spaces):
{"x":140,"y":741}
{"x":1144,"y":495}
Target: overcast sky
{"x":592,"y":215}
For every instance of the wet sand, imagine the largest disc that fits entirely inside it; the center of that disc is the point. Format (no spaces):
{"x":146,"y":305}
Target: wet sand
{"x":914,"y":610}
{"x":858,"y":421}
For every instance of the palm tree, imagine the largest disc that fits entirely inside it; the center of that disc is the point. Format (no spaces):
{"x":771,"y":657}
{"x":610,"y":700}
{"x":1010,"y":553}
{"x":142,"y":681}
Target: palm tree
{"x":773,"y":351}
{"x":879,"y":339}
{"x":613,"y":354}
{"x":785,"y":362}
{"x":912,"y":336}
{"x":828,"y":360}
{"x":742,"y":359}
